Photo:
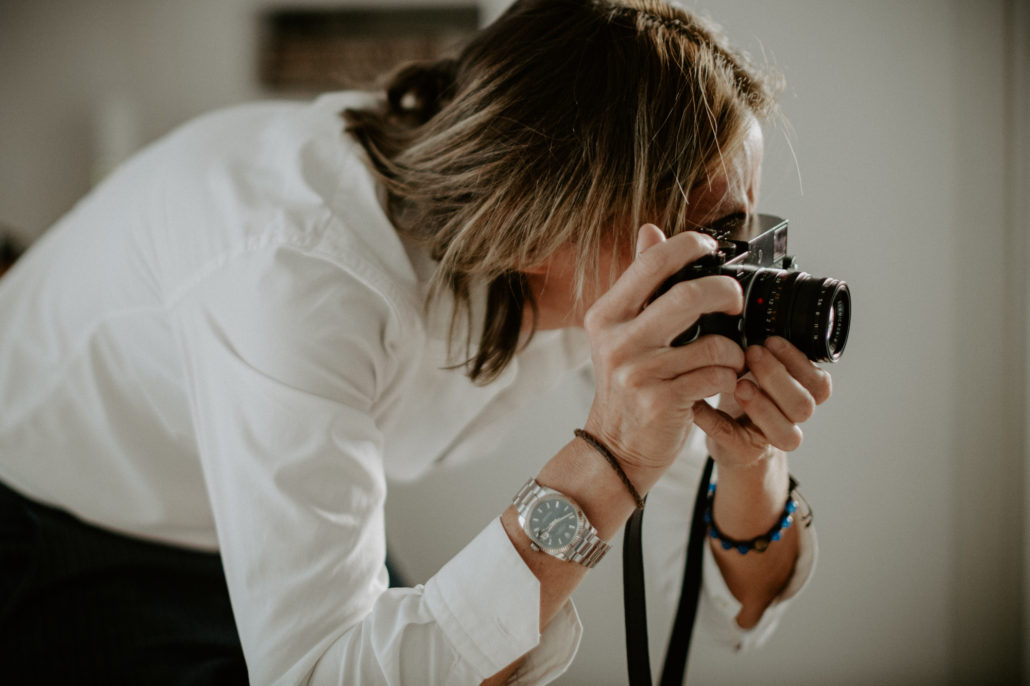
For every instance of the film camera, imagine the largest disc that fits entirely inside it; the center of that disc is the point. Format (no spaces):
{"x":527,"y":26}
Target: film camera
{"x":812,"y":313}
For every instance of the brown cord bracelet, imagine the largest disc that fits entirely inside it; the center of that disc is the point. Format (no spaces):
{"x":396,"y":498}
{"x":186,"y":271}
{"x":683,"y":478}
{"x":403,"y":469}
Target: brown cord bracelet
{"x":607,"y":454}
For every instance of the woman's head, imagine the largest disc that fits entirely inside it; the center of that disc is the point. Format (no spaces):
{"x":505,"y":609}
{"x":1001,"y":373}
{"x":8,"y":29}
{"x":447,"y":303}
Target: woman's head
{"x":563,"y":123}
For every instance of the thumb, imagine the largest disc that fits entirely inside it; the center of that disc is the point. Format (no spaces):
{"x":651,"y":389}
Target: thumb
{"x":648,"y":237}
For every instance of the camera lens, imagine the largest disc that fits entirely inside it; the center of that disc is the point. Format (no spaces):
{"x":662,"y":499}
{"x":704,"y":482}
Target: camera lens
{"x":812,"y":313}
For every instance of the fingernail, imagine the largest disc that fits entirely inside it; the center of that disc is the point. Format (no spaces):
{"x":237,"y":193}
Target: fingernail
{"x":776,"y":344}
{"x":745,"y":390}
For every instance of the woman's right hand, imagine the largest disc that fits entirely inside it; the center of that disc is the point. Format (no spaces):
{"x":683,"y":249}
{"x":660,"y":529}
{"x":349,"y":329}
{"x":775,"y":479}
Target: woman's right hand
{"x":645,"y":388}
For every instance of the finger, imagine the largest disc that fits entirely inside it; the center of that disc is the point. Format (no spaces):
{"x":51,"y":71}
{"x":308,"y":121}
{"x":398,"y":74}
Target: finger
{"x":767,"y":417}
{"x":704,"y":383}
{"x":707,"y":351}
{"x":648,"y":236}
{"x":680,"y":394}
{"x":665,"y":364}
{"x":653,"y":265}
{"x":813,"y":377}
{"x":737,"y":437}
{"x":728,"y":404}
{"x":790,"y":396}
{"x":679,"y":308}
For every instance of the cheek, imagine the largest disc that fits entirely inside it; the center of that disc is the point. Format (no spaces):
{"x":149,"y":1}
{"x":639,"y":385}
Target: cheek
{"x":609,"y":268}
{"x":613,"y":265}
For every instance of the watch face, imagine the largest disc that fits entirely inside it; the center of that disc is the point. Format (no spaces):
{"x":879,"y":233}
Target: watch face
{"x":553,"y":523}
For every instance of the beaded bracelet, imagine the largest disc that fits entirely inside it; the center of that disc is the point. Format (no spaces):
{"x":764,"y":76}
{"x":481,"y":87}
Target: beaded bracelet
{"x":758,"y":543}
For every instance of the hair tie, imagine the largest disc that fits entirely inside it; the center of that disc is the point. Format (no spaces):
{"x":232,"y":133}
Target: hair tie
{"x":420,"y":90}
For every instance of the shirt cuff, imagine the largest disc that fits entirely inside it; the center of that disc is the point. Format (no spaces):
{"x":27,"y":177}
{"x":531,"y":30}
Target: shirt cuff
{"x":722,"y":607}
{"x":487,"y":602}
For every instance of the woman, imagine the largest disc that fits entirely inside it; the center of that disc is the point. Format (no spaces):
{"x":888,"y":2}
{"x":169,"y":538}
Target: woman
{"x":211,"y":365}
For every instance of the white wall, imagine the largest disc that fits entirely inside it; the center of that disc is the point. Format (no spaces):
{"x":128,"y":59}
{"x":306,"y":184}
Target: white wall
{"x":916,"y":469}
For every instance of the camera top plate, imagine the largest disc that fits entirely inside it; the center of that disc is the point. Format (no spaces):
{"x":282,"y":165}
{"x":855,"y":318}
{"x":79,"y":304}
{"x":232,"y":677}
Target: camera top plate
{"x":758,"y":239}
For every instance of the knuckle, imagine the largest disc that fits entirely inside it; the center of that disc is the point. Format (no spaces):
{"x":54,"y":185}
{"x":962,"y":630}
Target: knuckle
{"x":725,"y":377}
{"x":727,"y":352}
{"x":714,"y":379}
{"x":726,"y":296}
{"x":706,"y":294}
{"x":629,"y":378}
{"x":757,"y":360}
{"x":620,"y":378}
{"x":684,"y":293}
{"x":721,"y":427}
{"x":593,"y":320}
{"x":652,"y":262}
{"x":791,"y":441}
{"x":696,"y":244}
{"x":651,"y":403}
{"x":704,"y":351}
{"x":803,"y":409}
{"x":823,"y":387}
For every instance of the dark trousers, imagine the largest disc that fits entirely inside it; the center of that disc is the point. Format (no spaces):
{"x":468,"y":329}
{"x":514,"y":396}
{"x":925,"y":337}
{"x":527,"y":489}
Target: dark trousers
{"x":82,"y":605}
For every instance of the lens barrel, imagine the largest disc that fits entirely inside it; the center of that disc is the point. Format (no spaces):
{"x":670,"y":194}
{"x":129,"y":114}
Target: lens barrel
{"x":812,"y":313}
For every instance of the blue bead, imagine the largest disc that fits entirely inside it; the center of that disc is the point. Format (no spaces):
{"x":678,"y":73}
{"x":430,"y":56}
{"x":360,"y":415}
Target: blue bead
{"x":792,"y":506}
{"x":742,"y":549}
{"x":726,"y":545}
{"x":785,"y":522}
{"x":776,"y":536}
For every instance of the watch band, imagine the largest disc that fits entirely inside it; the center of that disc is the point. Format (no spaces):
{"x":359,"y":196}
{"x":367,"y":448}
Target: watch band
{"x":586,"y":548}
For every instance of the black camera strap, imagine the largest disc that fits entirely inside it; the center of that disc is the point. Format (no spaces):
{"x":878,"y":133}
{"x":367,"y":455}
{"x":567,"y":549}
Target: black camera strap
{"x":638,"y":661}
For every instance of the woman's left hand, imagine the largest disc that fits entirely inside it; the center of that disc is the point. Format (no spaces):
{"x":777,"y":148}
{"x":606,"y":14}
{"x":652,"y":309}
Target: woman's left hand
{"x":764,"y":414}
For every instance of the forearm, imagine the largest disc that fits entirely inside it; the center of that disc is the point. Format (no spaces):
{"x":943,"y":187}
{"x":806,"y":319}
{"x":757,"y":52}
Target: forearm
{"x":748,"y":502}
{"x":579,"y":472}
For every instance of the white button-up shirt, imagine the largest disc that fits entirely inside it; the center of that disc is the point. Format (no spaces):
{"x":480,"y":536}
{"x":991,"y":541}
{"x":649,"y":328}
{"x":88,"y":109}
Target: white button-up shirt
{"x":225,"y":347}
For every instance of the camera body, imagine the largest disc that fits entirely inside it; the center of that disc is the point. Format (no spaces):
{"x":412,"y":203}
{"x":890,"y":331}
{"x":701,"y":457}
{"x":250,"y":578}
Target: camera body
{"x":812,"y":313}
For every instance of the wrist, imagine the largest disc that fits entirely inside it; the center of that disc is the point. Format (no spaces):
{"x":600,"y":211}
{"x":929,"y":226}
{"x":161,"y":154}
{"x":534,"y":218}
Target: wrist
{"x":769,"y":470}
{"x":759,"y":543}
{"x":750,"y":499}
{"x":638,"y":469}
{"x":612,"y":460}
{"x":583,"y":475}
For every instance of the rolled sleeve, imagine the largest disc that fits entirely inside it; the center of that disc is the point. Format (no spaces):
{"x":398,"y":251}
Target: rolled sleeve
{"x":487,"y":603}
{"x":666,"y":530}
{"x":718,"y":608}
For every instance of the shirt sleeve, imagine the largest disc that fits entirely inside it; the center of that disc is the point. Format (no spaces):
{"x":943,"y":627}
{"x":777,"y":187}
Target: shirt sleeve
{"x":666,"y":530}
{"x":286,"y":356}
{"x":477,"y":615}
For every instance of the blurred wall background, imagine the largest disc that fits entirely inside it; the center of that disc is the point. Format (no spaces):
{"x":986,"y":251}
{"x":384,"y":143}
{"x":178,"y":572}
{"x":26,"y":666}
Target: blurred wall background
{"x":905,"y":173}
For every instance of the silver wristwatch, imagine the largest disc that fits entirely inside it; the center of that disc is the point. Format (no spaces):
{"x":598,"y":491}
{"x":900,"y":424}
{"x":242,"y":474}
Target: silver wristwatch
{"x":557,"y":526}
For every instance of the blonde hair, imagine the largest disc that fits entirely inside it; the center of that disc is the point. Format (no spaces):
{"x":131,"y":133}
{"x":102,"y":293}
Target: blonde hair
{"x":565,"y":122}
